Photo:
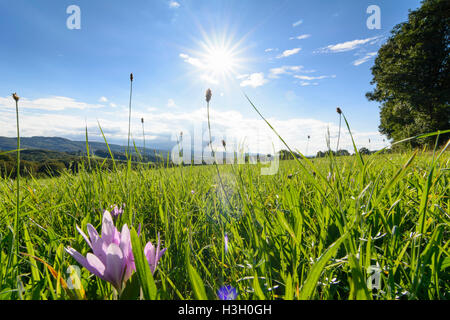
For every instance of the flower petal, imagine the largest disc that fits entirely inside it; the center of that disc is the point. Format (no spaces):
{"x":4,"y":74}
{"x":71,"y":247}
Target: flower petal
{"x":93,"y":268}
{"x":84,"y":236}
{"x":98,"y":268}
{"x":115,"y":265}
{"x":149,"y":252}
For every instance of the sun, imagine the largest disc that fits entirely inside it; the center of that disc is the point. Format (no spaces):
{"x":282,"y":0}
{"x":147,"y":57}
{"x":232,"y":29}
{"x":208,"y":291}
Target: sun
{"x":217,"y":59}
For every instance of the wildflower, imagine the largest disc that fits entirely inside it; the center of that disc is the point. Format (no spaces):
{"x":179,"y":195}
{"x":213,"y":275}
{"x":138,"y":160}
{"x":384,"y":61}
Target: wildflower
{"x":142,"y":120}
{"x":225,"y":238}
{"x":208,"y":95}
{"x":329,"y":176}
{"x":338,"y":110}
{"x":227,"y":293}
{"x":116,"y":211}
{"x":152,"y":255}
{"x":112,"y":259}
{"x":131,"y":77}
{"x":224,"y":143}
{"x":192,"y":192}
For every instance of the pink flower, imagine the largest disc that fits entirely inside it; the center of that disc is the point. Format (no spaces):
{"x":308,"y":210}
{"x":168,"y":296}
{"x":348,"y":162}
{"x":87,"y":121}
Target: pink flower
{"x":112,"y":259}
{"x":153,"y":255}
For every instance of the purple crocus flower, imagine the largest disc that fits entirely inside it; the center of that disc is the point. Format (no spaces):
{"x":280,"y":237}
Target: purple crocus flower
{"x":112,"y":259}
{"x":227,"y":293}
{"x":116,"y":211}
{"x":226,"y":243}
{"x":153,"y":255}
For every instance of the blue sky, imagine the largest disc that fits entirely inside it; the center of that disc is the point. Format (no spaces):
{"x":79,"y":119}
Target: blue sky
{"x":297,"y":60}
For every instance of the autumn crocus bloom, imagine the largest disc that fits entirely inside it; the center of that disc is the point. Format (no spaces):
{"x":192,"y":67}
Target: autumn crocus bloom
{"x":153,"y":255}
{"x":116,"y":211}
{"x":227,"y":293}
{"x":112,"y":259}
{"x":226,"y":242}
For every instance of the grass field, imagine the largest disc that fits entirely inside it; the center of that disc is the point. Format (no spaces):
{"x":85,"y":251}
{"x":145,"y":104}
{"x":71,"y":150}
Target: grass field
{"x":311,"y":231}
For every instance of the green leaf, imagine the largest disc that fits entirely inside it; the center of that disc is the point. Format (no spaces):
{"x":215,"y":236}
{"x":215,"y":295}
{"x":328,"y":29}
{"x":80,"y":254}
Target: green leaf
{"x":258,"y":291}
{"x":197,"y":284}
{"x":310,"y":284}
{"x":445,"y":264}
{"x":143,"y":268}
{"x":196,"y":281}
{"x":34,"y":268}
{"x":289,"y":291}
{"x":132,"y":289}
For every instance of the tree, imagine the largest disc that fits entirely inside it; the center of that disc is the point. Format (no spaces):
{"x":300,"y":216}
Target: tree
{"x":412,"y":75}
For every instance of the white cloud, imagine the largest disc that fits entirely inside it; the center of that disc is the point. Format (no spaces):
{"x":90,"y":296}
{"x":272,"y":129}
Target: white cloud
{"x":171,"y":103}
{"x":300,"y":37}
{"x":254,"y":80}
{"x":297,"y":23}
{"x":288,"y":53}
{"x":276,"y":72}
{"x":348,"y":45}
{"x":271,"y":49}
{"x":53,"y":103}
{"x":304,"y":83}
{"x":113,"y":105}
{"x":364,"y":59}
{"x":256,"y":133}
{"x":194,"y":61}
{"x":242,"y":76}
{"x":313,"y":78}
{"x":174,"y":4}
{"x":103,"y":99}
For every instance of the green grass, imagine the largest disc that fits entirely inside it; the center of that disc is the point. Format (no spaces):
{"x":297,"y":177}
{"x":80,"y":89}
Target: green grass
{"x":299,"y":237}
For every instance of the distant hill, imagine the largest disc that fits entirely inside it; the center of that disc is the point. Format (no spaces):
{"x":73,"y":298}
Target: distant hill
{"x":62,"y":145}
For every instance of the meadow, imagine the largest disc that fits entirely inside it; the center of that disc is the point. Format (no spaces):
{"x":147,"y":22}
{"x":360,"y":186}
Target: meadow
{"x":318,"y":229}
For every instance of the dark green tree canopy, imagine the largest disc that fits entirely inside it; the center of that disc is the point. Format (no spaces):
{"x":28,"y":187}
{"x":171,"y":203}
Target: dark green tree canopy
{"x":412,"y":74}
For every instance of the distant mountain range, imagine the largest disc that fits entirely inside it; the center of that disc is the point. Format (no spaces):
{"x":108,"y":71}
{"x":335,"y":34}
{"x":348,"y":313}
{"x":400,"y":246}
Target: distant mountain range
{"x":62,"y":145}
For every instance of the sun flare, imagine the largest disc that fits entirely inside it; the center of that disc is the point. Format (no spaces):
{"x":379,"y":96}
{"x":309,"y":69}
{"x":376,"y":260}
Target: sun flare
{"x":218,"y":59}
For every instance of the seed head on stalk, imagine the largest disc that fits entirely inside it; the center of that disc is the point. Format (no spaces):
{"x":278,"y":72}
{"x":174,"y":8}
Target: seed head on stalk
{"x":339,"y":111}
{"x":17,"y":216}
{"x":208,"y":95}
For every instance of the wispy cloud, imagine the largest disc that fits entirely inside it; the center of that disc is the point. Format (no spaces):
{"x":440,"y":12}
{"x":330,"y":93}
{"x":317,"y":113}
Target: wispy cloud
{"x":257,"y":135}
{"x":254,"y":80}
{"x":300,"y":37}
{"x":53,"y":103}
{"x":313,"y":78}
{"x":288,"y":53}
{"x":103,"y":99}
{"x":276,"y":72}
{"x":297,"y":23}
{"x":271,"y":49}
{"x":348,"y":45}
{"x":304,"y":83}
{"x":364,"y":59}
{"x":194,"y":61}
{"x":174,"y":4}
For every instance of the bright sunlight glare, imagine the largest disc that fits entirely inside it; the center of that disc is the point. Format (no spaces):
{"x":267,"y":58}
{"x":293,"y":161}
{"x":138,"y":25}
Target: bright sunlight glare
{"x":218,"y":59}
